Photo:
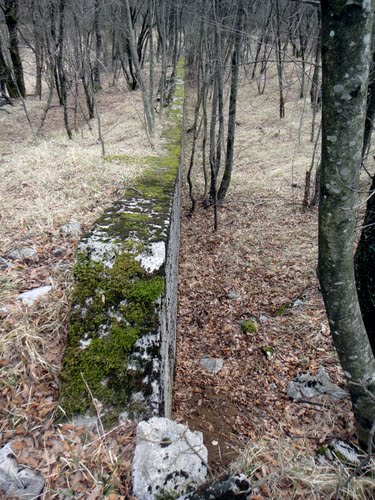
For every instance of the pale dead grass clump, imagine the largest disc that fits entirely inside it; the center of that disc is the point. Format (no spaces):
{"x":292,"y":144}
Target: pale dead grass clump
{"x":283,"y":468}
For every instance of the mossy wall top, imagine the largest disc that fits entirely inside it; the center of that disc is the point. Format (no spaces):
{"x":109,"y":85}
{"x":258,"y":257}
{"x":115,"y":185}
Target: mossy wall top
{"x":115,"y":333}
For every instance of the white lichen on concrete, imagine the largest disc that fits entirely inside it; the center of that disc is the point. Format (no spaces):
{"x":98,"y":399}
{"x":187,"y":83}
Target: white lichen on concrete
{"x":153,"y":258}
{"x":100,"y":247}
{"x":168,"y":459}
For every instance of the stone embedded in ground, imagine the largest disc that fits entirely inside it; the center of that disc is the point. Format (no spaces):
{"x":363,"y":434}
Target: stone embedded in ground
{"x":345,"y":452}
{"x":72,"y":229}
{"x":236,"y":487}
{"x":4,"y":311}
{"x":168,"y":459}
{"x":31,"y":296}
{"x":212,"y":365}
{"x":56,"y":252}
{"x":309,"y":386}
{"x":22,"y":253}
{"x":268,"y":351}
{"x":5,"y":101}
{"x":233,"y":294}
{"x":17,"y":480}
{"x":89,"y":422}
{"x":4,"y":264}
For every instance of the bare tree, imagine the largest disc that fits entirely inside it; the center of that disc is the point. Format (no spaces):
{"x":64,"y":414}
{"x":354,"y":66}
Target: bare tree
{"x":10,"y":9}
{"x":346,"y":44}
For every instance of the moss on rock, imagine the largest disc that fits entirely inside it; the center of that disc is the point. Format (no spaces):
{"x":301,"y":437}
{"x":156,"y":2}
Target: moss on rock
{"x":115,"y":300}
{"x":102,"y":333}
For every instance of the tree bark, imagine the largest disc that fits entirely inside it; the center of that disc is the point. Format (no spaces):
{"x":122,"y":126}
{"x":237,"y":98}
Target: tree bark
{"x":6,"y":78}
{"x":235,"y":69}
{"x":346,"y":43}
{"x":148,"y":110}
{"x":98,"y":46}
{"x":11,"y":19}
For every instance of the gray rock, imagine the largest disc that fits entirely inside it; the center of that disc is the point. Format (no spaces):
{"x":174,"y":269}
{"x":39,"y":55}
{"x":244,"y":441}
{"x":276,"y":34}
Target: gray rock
{"x":345,"y":452}
{"x":17,"y":480}
{"x":212,"y":365}
{"x":56,"y":252}
{"x":227,"y":487}
{"x":31,"y":296}
{"x":63,"y":267}
{"x":309,"y":386}
{"x":168,"y":458}
{"x":73,"y":229}
{"x":22,"y":253}
{"x":4,"y":264}
{"x":4,"y":311}
{"x":233,"y":295}
{"x":263,"y":318}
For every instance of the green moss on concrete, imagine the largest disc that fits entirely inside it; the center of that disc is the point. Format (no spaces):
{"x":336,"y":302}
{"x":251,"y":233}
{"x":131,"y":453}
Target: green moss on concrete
{"x":114,"y":306}
{"x":102,"y":363}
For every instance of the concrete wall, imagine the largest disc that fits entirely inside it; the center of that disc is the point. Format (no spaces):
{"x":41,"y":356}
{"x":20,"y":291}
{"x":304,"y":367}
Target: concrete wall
{"x":122,"y":332}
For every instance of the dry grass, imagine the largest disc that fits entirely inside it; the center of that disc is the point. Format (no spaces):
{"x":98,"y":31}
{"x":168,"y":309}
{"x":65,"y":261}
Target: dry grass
{"x":286,"y":469}
{"x":48,"y":182}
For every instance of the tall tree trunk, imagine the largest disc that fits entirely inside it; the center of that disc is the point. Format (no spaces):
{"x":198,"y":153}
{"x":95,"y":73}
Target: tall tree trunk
{"x":365,"y":254}
{"x":235,"y":69}
{"x":365,"y":267}
{"x":279,"y":62}
{"x":11,"y":19}
{"x":38,"y":49}
{"x":346,"y":44}
{"x":98,"y":46}
{"x":148,"y":110}
{"x":6,"y":78}
{"x":60,"y":66}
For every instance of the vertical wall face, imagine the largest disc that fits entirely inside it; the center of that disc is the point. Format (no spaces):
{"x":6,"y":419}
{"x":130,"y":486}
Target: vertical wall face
{"x":121,"y":337}
{"x":168,"y":316}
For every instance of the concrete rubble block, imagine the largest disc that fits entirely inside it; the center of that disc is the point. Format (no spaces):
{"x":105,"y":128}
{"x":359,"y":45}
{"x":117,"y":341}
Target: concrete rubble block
{"x":31,"y":296}
{"x":307,"y":386}
{"x":168,"y":459}
{"x":18,"y":481}
{"x":4,"y":264}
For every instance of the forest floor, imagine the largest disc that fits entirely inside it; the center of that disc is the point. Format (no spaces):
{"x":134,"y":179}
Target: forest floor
{"x":263,"y":256}
{"x":260,"y":265}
